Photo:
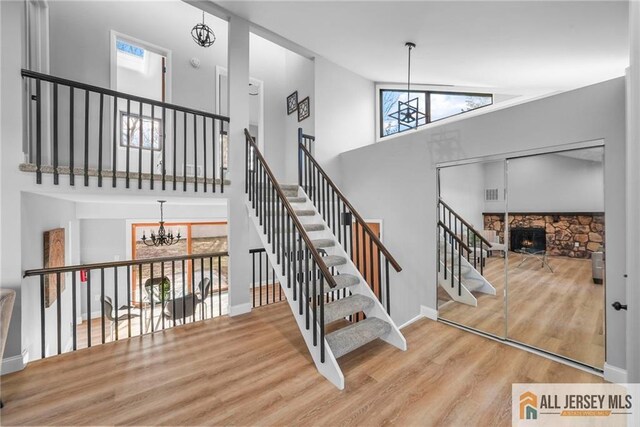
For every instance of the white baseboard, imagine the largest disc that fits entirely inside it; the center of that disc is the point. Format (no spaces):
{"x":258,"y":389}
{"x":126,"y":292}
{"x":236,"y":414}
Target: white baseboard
{"x":15,"y":363}
{"x":428,"y":312}
{"x":236,"y":310}
{"x":614,"y":374}
{"x":425,"y":312}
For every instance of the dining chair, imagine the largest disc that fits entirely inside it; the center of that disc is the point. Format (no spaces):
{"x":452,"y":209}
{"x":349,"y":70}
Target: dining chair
{"x":123,"y":313}
{"x":180,"y":308}
{"x":202,"y":291}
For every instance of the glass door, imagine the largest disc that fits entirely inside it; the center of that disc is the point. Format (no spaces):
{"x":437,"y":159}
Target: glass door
{"x":556,"y":253}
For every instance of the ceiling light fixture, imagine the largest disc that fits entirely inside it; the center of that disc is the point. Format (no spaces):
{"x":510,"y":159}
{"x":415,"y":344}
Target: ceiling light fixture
{"x":203,"y":34}
{"x":408,"y":113}
{"x":162,"y":238}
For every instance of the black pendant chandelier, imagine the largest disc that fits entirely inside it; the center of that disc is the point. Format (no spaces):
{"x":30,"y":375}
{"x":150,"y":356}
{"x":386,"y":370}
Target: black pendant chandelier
{"x":408,"y":113}
{"x":203,"y":34}
{"x":162,"y":238}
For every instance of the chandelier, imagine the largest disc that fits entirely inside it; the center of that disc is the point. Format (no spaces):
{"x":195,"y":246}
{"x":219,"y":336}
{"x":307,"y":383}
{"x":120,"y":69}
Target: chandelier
{"x":203,"y":34}
{"x":408,"y":113}
{"x":162,"y":238}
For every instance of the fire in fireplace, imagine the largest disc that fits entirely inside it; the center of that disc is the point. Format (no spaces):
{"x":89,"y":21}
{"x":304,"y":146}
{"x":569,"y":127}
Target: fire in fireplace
{"x":529,"y":239}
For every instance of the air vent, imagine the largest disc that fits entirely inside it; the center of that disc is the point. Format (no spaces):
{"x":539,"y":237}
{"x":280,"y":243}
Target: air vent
{"x":491,"y":194}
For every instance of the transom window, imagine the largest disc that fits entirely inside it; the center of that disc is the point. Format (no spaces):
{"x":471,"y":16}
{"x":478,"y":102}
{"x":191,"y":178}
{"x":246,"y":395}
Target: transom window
{"x":435,"y":105}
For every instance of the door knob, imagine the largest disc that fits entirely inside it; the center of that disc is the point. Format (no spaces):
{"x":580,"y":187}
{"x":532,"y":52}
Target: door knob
{"x":617,"y":306}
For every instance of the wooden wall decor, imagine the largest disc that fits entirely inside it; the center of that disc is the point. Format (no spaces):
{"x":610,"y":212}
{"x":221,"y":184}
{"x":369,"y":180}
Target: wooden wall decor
{"x":53,"y":256}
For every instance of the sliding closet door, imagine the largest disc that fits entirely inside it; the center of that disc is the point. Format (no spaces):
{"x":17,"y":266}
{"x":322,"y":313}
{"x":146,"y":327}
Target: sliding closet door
{"x":556,"y":235}
{"x":471,"y":266}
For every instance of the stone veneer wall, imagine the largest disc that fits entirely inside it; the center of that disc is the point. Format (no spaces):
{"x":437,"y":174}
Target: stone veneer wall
{"x":564,"y":230}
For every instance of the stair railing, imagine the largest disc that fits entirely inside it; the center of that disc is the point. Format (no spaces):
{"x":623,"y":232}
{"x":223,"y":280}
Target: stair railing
{"x":132,"y":298}
{"x":465,"y":232}
{"x":345,"y":222}
{"x":296,"y":255}
{"x":453,"y":247}
{"x":77,"y":129}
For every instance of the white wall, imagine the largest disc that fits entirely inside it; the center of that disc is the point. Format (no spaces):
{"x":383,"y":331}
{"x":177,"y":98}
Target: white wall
{"x":555,"y":183}
{"x":395,"y":180}
{"x":462,"y":188}
{"x":345,"y":114}
{"x":59,"y":214}
{"x":80,"y":43}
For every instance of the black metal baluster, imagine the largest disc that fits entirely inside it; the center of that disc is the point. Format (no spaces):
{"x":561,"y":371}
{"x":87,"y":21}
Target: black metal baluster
{"x":128,"y":155}
{"x":74,"y":314}
{"x":387,"y":286}
{"x":460,"y":272}
{"x":202,"y":289}
{"x":222,"y":155}
{"x":151,"y":294}
{"x":89,"y":308}
{"x":86,"y":138}
{"x":175,"y":149}
{"x":220,"y":286}
{"x":42,"y":318}
{"x":55,"y":134}
{"x":294,"y":262}
{"x":193,"y":290}
{"x":322,"y":320}
{"x":151,"y":148}
{"x":211,"y":286}
{"x":184,"y":173}
{"x":173,"y":291}
{"x":372,"y":277}
{"x":195,"y":156}
{"x":253,"y":276}
{"x":184,"y":294}
{"x":59,"y":313}
{"x":140,"y":285}
{"x":260,"y":278}
{"x":213,"y":152}
{"x":204,"y":153}
{"x":100,"y":132}
{"x":102,"y":326}
{"x":115,"y":298}
{"x":38,"y":132}
{"x":140,"y":143}
{"x":306,"y":284}
{"x":161,"y":290}
{"x":164,"y":149}
{"x":114,"y":155}
{"x":129,"y":302}
{"x":71,"y":136}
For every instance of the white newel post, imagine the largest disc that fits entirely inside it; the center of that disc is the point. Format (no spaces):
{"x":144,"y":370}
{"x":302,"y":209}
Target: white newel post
{"x":239,"y":260}
{"x":633,"y":195}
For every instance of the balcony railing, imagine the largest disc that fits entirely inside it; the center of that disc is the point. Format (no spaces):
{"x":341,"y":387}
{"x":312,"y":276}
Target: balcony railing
{"x":77,"y":129}
{"x":170,"y":291}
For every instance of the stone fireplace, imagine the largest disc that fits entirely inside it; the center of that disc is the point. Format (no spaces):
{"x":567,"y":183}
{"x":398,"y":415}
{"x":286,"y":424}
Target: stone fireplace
{"x":576,"y":235}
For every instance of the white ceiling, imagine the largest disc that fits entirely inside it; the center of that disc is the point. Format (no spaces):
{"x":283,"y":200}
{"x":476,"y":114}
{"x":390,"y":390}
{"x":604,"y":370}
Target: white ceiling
{"x":513,"y":46}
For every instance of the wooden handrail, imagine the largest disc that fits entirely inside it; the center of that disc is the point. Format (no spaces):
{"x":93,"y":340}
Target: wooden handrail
{"x":355,"y":213}
{"x":469,"y":226}
{"x":111,"y":264}
{"x":456,"y":238}
{"x":296,"y":222}
{"x":121,"y":95}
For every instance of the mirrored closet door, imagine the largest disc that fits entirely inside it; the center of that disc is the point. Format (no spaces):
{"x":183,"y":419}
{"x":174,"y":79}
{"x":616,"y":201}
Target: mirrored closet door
{"x":521,"y":252}
{"x":555,"y":291}
{"x":471,"y":250}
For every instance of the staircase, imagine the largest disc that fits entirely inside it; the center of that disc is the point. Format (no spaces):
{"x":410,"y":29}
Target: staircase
{"x":322,"y":285}
{"x":458,"y":277}
{"x":460,"y":264}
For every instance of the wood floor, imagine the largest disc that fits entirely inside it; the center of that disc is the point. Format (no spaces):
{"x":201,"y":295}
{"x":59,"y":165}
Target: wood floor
{"x":561,"y":312}
{"x":255,"y":370}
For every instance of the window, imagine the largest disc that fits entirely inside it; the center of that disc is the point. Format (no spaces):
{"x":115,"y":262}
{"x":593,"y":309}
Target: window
{"x":436,"y":105}
{"x":445,"y":105}
{"x":131,"y":131}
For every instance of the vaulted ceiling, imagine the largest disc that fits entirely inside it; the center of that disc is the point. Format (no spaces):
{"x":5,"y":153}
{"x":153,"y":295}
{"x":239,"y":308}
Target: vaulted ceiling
{"x":514,"y":46}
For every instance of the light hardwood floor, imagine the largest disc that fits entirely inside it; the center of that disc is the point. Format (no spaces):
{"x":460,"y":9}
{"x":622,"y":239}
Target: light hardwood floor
{"x":255,"y":370}
{"x":561,"y":312}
